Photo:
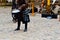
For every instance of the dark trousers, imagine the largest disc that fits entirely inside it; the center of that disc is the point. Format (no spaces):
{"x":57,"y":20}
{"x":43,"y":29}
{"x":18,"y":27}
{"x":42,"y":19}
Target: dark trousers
{"x":19,"y":23}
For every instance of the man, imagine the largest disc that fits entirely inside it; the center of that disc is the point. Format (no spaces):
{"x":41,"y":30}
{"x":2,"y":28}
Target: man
{"x":56,"y":9}
{"x":22,"y":17}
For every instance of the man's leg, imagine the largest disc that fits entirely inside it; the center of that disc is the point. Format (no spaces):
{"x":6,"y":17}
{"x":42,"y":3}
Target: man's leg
{"x":25,"y":27}
{"x":18,"y":23}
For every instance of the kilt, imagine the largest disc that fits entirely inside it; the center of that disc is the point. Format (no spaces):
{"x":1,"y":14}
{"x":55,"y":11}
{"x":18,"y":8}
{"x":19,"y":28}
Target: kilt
{"x":22,"y":16}
{"x":26,"y":18}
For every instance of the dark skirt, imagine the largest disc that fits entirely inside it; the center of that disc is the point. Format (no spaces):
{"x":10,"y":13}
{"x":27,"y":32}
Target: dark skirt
{"x":24,"y":18}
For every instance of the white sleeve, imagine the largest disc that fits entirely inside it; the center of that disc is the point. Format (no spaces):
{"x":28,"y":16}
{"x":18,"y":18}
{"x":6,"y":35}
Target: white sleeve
{"x":53,"y":1}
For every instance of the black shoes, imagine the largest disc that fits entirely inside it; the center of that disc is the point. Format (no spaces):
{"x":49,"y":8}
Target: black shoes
{"x":17,"y":29}
{"x":25,"y":30}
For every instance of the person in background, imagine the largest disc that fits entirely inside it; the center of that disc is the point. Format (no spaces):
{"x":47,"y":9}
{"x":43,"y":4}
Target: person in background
{"x":56,"y":8}
{"x":14,"y":6}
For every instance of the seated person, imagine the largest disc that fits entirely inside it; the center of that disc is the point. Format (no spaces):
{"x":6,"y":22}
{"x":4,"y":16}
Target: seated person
{"x":56,"y":9}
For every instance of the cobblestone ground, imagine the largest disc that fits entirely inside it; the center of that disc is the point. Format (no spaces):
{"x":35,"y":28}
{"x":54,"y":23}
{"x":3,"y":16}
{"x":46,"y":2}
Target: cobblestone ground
{"x":38,"y":29}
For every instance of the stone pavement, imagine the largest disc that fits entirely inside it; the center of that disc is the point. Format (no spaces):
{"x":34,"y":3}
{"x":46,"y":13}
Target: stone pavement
{"x":38,"y":29}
